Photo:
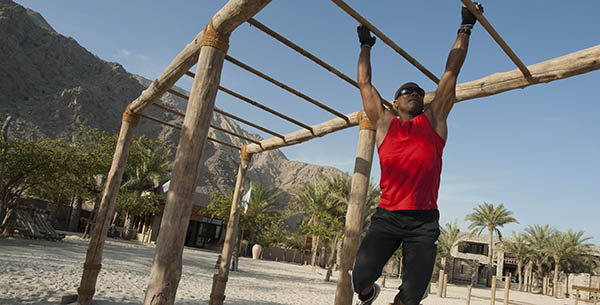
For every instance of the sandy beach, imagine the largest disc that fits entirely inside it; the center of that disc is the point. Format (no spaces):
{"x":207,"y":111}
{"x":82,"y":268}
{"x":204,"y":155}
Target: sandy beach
{"x":41,"y":272}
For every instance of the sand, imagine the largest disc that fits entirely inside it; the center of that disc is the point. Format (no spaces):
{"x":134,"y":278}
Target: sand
{"x":41,"y":272}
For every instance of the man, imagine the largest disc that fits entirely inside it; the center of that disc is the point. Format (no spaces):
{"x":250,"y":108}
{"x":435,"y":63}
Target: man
{"x":410,"y":153}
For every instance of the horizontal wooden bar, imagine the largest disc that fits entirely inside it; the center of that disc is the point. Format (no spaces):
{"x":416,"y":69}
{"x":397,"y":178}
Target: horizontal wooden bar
{"x":217,"y":110}
{"x":257,"y":104}
{"x":265,"y":108}
{"x":300,"y":50}
{"x":283,"y":86}
{"x":179,"y":128}
{"x":160,"y":121}
{"x":585,"y":288}
{"x":234,"y":134}
{"x":558,"y":68}
{"x":490,"y":29}
{"x":362,"y":20}
{"x":183,"y":96}
{"x":211,"y":125}
{"x":224,"y":143}
{"x":310,"y":56}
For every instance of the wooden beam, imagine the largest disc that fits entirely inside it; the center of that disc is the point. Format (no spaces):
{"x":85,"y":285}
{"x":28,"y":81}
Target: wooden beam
{"x":490,"y":29}
{"x":167,"y":265}
{"x":265,"y":108}
{"x":362,"y":20}
{"x":356,"y":204}
{"x":278,"y":135}
{"x":569,"y":65}
{"x":211,"y":125}
{"x":315,"y":59}
{"x":217,"y":110}
{"x":257,"y":104}
{"x":300,"y":50}
{"x":284,"y":86}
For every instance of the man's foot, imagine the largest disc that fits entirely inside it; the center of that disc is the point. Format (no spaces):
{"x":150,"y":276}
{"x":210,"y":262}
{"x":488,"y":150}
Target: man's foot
{"x":371,"y":298}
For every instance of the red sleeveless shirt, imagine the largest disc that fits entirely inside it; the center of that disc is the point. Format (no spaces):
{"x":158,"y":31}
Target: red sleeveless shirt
{"x":411,"y":164}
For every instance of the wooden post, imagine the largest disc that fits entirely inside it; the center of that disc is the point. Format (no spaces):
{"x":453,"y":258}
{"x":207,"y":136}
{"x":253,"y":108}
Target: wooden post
{"x":354,"y":215}
{"x":166,"y":269}
{"x":493,"y":300}
{"x":507,"y":289}
{"x":93,"y":258}
{"x":440,"y":283}
{"x":445,"y":285}
{"x":469,"y":294}
{"x":217,"y":295}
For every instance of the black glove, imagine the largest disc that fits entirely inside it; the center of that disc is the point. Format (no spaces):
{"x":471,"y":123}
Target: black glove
{"x":468,"y":19}
{"x":364,"y":36}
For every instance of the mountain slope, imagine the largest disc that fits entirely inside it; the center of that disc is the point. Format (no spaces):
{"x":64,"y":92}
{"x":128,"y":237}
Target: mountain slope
{"x":50,"y":84}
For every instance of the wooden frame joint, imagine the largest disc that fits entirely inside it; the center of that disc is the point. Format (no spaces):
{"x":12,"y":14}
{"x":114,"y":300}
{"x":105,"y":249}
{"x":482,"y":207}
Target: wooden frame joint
{"x":364,"y":122}
{"x":131,"y":117}
{"x":210,"y":37}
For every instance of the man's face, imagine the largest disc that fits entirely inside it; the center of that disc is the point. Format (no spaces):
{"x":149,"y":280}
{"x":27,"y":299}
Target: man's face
{"x":410,"y":100}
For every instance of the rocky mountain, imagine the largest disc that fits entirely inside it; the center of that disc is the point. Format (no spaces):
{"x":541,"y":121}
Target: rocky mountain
{"x":50,"y":84}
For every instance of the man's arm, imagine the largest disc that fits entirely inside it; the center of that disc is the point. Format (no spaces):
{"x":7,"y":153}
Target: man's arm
{"x":445,"y":94}
{"x":370,"y":97}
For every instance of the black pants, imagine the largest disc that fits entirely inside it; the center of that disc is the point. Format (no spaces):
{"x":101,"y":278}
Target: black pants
{"x":417,"y":231}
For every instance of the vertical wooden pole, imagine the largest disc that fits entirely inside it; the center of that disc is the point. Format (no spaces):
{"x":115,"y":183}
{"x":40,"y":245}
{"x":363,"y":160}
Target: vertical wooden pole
{"x":469,"y":294}
{"x":440,"y":283}
{"x":217,"y":295}
{"x":507,"y":289}
{"x":493,"y":300}
{"x":166,"y":269}
{"x":93,"y":258}
{"x":354,"y":215}
{"x":445,"y":285}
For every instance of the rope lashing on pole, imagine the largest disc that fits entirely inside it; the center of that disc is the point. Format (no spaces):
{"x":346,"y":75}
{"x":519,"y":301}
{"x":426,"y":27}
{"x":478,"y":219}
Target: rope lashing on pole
{"x":210,"y":37}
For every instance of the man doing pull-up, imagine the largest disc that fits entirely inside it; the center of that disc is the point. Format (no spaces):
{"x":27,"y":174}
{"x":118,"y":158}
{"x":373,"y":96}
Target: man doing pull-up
{"x":410,"y":150}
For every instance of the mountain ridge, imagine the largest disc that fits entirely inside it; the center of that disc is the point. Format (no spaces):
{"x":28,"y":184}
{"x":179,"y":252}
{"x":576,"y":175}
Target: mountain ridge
{"x":50,"y":84}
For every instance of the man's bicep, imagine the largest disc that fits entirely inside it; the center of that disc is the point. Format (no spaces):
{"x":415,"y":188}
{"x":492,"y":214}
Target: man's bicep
{"x":372,"y":103}
{"x":445,"y":96}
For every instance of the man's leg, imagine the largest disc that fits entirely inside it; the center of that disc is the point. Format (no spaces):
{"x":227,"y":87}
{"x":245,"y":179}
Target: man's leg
{"x":375,"y":250}
{"x":418,"y":261}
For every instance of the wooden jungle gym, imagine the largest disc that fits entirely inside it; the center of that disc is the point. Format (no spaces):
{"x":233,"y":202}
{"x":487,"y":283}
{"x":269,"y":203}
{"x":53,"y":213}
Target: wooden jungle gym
{"x":208,"y":51}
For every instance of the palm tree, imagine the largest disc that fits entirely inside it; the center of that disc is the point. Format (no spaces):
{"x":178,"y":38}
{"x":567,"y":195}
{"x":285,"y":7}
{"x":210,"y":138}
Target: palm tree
{"x":538,"y":237}
{"x":558,"y":246}
{"x":520,"y":248}
{"x":151,"y":166}
{"x":485,"y":216}
{"x":312,"y":202}
{"x":449,"y":236}
{"x":572,"y":249}
{"x":262,"y":204}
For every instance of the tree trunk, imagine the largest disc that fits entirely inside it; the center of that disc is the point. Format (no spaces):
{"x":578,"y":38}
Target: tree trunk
{"x":520,"y":273}
{"x":315,"y":245}
{"x":75,"y":214}
{"x":331,"y":260}
{"x":315,"y":250}
{"x":490,"y":255}
{"x":555,"y":281}
{"x":338,"y":256}
{"x":91,"y":221}
{"x":4,"y":132}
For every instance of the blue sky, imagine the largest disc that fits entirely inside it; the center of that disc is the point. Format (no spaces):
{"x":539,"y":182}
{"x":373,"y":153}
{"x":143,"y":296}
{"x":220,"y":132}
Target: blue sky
{"x":535,"y":150}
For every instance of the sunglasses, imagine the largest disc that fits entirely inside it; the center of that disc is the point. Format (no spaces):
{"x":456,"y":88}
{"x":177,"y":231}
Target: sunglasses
{"x":409,"y":90}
